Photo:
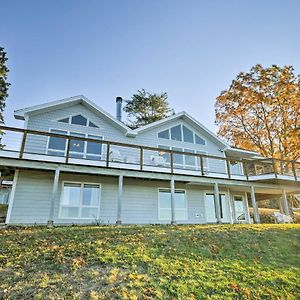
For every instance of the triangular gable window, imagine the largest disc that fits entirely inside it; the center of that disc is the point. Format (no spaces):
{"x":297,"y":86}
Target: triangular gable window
{"x":182,"y":134}
{"x":79,"y":120}
{"x":91,"y":124}
{"x":65,"y":120}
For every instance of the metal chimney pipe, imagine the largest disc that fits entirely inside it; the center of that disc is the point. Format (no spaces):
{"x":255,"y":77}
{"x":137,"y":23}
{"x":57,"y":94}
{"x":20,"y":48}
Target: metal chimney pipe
{"x":119,"y":108}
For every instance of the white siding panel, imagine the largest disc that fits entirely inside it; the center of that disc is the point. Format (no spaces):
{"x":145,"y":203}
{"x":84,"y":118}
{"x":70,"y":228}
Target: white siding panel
{"x":32,"y":198}
{"x":140,"y":199}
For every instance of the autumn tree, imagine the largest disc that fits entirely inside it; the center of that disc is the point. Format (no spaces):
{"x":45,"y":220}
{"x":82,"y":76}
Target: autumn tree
{"x":261,"y":111}
{"x":3,"y":82}
{"x":3,"y":86}
{"x":144,"y":108}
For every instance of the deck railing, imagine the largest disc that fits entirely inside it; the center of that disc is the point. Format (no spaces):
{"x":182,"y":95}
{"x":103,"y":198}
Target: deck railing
{"x":73,"y":148}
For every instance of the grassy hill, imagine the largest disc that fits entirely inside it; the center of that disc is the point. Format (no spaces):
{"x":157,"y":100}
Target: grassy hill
{"x":151,"y":262}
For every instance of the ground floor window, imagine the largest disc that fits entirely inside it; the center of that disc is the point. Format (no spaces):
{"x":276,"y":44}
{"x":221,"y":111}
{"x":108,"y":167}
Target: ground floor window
{"x":80,"y":201}
{"x":164,"y":205}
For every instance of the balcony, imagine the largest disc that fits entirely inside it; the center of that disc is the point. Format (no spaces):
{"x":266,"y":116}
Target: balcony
{"x":94,"y":151}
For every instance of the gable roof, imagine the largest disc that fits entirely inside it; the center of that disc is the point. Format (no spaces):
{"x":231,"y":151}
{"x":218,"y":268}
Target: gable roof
{"x":183,"y":116}
{"x":80,"y":99}
{"x":21,"y":114}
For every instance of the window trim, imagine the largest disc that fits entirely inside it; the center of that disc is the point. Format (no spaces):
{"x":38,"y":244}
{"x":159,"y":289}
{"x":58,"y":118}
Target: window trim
{"x":86,"y":135}
{"x":185,"y":209}
{"x":181,"y":127}
{"x":82,"y":183}
{"x":73,"y":115}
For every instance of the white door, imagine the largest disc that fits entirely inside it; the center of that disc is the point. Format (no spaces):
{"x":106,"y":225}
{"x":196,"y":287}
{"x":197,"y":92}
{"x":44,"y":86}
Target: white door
{"x":239,"y":208}
{"x":224,"y":205}
{"x":210,"y":209}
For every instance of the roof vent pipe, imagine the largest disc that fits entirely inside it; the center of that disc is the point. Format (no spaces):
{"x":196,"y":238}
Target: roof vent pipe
{"x":119,"y":108}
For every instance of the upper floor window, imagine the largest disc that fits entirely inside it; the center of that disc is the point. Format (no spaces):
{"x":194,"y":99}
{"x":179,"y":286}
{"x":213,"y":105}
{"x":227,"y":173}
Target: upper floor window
{"x":78,"y":120}
{"x":182,"y":134}
{"x":57,"y":146}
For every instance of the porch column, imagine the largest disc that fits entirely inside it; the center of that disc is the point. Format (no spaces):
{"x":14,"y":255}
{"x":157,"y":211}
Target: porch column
{"x":254,"y":205}
{"x":120,"y":193}
{"x":53,"y":197}
{"x":231,"y":207}
{"x":280,"y":205}
{"x":247,"y":213}
{"x":217,"y":203}
{"x":285,"y":203}
{"x":172,"y":186}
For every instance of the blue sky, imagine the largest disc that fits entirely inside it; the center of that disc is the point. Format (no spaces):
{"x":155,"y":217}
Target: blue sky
{"x":103,"y":49}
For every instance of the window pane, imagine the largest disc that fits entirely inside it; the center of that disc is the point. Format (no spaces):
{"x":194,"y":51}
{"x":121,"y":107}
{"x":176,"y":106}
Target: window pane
{"x":180,"y":200}
{"x":189,"y":159}
{"x":69,"y":212}
{"x":180,"y":214}
{"x":89,"y":212}
{"x":77,"y":145}
{"x":92,"y":147}
{"x":75,"y":155}
{"x":79,"y":120}
{"x":164,"y":199}
{"x":90,"y":195}
{"x":165,"y":155}
{"x":71,"y":194}
{"x":176,"y":133}
{"x":91,"y":124}
{"x":178,"y":158}
{"x":56,"y":153}
{"x":199,"y":140}
{"x":165,"y":214}
{"x":65,"y":120}
{"x":57,"y":143}
{"x":188,"y":135}
{"x":164,"y":134}
{"x":93,"y":157}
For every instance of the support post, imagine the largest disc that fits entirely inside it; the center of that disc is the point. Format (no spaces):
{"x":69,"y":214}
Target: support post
{"x":247,"y":213}
{"x":173,"y":219}
{"x":53,"y":197}
{"x":280,"y":205}
{"x":141,"y":158}
{"x":107,"y":154}
{"x":217,"y":202}
{"x":120,"y":194}
{"x":23,"y":144}
{"x":231,"y":207}
{"x":254,"y":205}
{"x":285,"y":203}
{"x":12,"y":197}
{"x":228,"y":168}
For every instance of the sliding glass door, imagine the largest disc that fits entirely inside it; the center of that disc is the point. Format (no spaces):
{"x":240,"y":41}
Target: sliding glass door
{"x":210,"y":208}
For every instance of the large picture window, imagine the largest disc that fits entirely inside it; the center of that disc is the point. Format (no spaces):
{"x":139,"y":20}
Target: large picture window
{"x":184,"y":160}
{"x":164,"y":205}
{"x":80,"y":201}
{"x":78,"y":148}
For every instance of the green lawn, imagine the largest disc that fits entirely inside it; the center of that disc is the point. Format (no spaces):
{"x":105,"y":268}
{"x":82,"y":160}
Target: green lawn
{"x":151,"y":262}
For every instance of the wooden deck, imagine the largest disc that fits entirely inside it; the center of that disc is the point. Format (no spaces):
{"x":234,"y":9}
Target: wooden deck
{"x":139,"y":158}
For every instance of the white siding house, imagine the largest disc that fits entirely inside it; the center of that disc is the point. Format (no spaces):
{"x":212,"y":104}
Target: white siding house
{"x":76,"y":164}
